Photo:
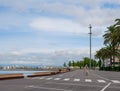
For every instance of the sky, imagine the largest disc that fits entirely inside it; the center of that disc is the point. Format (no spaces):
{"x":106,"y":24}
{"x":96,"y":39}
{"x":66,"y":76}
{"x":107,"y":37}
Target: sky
{"x":51,"y":32}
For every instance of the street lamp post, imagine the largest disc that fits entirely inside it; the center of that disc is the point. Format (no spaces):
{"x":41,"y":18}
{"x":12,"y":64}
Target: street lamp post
{"x":90,"y":27}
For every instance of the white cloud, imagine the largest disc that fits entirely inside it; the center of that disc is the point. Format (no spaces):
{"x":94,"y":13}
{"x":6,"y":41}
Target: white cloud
{"x":23,"y":62}
{"x":55,"y":57}
{"x":16,"y":53}
{"x":57,"y":24}
{"x":83,"y":12}
{"x":67,"y":25}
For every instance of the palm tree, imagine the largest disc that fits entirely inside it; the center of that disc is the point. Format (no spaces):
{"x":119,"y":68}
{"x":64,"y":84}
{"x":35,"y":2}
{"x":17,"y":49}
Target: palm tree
{"x":112,"y":35}
{"x":109,"y":53}
{"x":108,"y":36}
{"x":98,"y":56}
{"x":117,"y":21}
{"x":117,"y":32}
{"x":117,"y":37}
{"x":103,"y":54}
{"x":110,"y":40}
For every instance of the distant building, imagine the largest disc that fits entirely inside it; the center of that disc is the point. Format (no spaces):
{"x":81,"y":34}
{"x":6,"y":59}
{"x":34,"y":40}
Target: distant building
{"x":117,"y":60}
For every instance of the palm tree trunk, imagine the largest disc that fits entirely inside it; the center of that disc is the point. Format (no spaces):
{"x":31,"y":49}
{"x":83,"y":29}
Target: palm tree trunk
{"x":110,"y":61}
{"x":113,"y":56}
{"x":99,"y":63}
{"x":119,"y":62}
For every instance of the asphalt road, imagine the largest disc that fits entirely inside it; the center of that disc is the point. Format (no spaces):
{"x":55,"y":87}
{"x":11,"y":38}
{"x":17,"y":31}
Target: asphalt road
{"x":71,"y":81}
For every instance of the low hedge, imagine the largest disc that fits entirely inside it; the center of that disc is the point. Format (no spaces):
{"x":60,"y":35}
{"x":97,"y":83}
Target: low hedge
{"x":109,"y":68}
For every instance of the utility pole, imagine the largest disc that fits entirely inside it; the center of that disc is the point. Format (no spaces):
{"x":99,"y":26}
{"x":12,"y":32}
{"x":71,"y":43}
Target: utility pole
{"x":90,"y":27}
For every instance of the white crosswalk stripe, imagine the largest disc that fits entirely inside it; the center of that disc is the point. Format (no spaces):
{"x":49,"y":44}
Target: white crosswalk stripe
{"x":115,"y":81}
{"x":57,"y":78}
{"x":88,"y":80}
{"x":101,"y":81}
{"x":66,"y":79}
{"x":41,"y":77}
{"x":48,"y":78}
{"x":36,"y":78}
{"x":77,"y":80}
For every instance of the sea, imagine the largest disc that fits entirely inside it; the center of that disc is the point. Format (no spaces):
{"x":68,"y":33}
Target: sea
{"x":26,"y":73}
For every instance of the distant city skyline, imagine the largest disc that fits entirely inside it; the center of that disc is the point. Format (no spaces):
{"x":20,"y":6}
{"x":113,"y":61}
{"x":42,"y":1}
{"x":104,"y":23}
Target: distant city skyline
{"x":51,"y":32}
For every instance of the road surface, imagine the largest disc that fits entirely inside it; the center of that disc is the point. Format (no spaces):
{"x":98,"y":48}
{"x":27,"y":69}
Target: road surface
{"x":71,"y":81}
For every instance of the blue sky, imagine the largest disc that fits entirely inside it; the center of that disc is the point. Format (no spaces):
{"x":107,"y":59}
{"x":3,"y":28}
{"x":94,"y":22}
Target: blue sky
{"x":51,"y":32}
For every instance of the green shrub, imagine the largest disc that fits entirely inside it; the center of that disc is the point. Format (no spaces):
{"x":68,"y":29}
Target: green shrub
{"x":109,"y":68}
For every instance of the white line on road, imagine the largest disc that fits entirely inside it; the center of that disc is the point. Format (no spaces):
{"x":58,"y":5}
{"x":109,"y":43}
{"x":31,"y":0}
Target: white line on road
{"x":101,"y":81}
{"x":88,"y":80}
{"x":32,"y":86}
{"x":115,"y":81}
{"x":66,"y":79}
{"x":77,"y":80}
{"x":73,"y":84}
{"x":57,"y":78}
{"x":106,"y":86}
{"x":35,"y":78}
{"x":49,"y":78}
{"x":41,"y":77}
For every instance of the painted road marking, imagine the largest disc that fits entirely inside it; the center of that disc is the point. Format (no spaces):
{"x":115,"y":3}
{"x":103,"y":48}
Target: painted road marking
{"x":106,"y":86}
{"x":66,"y":79}
{"x":52,"y":89}
{"x":88,"y":80}
{"x":77,"y":80}
{"x":73,"y":84}
{"x":35,"y":78}
{"x":41,"y":77}
{"x":57,"y":78}
{"x":115,"y":81}
{"x":101,"y":81}
{"x":49,"y":78}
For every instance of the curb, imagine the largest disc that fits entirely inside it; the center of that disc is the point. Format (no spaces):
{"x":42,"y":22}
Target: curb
{"x":11,"y":76}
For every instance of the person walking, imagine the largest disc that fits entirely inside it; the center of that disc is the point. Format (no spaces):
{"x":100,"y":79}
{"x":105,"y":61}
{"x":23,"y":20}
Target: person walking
{"x":86,"y":70}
